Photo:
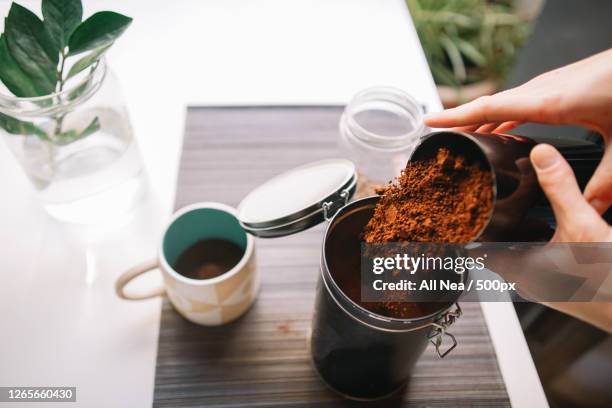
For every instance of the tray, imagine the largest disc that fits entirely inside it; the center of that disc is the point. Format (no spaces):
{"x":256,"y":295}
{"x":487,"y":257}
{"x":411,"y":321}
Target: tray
{"x":262,"y":359}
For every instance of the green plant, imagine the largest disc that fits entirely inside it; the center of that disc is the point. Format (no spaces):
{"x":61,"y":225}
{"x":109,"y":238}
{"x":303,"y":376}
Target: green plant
{"x":40,"y":57}
{"x":466,"y":41}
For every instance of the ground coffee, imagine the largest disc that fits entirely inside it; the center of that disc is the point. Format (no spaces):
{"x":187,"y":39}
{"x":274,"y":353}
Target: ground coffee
{"x":445,"y":199}
{"x":442,"y":199}
{"x":208,"y":258}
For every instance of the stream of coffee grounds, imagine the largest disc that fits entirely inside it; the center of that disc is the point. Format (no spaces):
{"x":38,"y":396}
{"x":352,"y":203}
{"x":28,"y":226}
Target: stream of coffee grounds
{"x":443,"y":199}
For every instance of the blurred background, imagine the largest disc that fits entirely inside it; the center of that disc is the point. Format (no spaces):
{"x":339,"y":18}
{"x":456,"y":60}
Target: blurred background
{"x":471,"y":46}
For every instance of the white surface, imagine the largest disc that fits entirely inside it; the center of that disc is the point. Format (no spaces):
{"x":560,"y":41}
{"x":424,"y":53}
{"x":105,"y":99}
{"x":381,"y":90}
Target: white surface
{"x":61,"y":321}
{"x":295,"y":190}
{"x":515,"y":362}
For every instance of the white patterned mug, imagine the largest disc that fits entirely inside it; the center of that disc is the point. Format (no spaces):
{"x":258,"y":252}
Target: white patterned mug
{"x":208,"y":302}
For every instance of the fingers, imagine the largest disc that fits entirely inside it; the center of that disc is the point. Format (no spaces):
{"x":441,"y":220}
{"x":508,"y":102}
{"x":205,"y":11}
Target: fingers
{"x":488,"y":128}
{"x":598,"y":191}
{"x":495,"y":127}
{"x":471,"y":128}
{"x":576,"y":220}
{"x":480,"y":128}
{"x":601,"y":206}
{"x":558,"y":182}
{"x":506,"y":106}
{"x":507,"y":126}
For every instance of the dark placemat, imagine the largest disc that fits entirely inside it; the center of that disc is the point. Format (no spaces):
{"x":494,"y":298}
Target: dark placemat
{"x":262,"y":359}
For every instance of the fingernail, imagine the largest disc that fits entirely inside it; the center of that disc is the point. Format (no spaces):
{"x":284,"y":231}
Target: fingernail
{"x":544,"y":156}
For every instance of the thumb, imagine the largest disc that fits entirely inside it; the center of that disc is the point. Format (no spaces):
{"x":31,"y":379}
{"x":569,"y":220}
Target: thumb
{"x":599,"y":189}
{"x":576,"y":220}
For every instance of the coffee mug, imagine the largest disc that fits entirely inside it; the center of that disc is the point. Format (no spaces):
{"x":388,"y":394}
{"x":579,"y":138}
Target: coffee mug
{"x":208,"y":302}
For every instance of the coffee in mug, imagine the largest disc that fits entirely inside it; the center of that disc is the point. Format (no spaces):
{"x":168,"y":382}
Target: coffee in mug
{"x":208,"y":258}
{"x":207,"y":262}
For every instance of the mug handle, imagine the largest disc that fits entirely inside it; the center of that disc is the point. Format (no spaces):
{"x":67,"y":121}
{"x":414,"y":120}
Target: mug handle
{"x":132,"y":273}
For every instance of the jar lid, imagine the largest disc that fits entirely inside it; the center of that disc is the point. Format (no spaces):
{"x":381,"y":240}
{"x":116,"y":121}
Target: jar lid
{"x":298,"y":199}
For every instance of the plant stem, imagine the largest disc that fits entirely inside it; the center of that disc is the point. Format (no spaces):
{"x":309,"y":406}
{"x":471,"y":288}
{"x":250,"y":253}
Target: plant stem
{"x":60,"y":80}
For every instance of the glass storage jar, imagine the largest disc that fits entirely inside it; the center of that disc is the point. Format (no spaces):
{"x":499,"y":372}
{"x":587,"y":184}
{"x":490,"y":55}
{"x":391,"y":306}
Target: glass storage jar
{"x":77,"y":148}
{"x":379,"y":129}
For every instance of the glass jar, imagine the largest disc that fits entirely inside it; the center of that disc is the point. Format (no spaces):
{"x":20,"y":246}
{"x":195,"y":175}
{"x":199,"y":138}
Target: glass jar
{"x":77,"y":148}
{"x":379,"y":129}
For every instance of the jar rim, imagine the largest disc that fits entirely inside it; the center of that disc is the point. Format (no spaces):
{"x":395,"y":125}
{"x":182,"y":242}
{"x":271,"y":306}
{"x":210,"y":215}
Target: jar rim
{"x":392,"y":95}
{"x":379,"y":322}
{"x":78,"y":91}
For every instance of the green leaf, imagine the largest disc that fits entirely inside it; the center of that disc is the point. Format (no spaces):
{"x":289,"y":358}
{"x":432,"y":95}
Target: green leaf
{"x":19,"y":127}
{"x":61,"y":17}
{"x":471,"y":52}
{"x":86,"y":61}
{"x":444,"y":76}
{"x":70,"y":136}
{"x":454,"y":56}
{"x":66,"y":137}
{"x":99,"y":30}
{"x":92,"y":128}
{"x":32,"y":48}
{"x":13,"y":76}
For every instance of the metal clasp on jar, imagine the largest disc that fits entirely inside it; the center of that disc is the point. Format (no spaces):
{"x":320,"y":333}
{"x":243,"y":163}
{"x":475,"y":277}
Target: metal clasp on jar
{"x":439,"y":330}
{"x":330,"y":208}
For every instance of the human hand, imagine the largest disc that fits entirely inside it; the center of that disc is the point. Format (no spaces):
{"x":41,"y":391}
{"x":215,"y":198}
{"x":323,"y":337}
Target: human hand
{"x":577,"y":221}
{"x":577,"y":94}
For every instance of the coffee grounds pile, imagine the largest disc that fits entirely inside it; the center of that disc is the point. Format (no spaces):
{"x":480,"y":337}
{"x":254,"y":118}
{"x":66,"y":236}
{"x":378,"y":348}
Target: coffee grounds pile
{"x":442,"y":199}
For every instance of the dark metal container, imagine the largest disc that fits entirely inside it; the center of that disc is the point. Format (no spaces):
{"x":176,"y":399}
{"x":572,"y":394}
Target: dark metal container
{"x":360,"y":354}
{"x":515,"y":186}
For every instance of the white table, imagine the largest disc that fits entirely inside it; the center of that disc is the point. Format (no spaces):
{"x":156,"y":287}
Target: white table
{"x":61,"y":321}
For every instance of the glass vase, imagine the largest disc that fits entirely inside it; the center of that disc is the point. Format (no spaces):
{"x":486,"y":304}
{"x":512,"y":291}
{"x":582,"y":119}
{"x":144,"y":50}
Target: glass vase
{"x":77,"y":148}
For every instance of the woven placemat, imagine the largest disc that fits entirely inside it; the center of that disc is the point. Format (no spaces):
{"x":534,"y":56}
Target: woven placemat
{"x":262,"y":359}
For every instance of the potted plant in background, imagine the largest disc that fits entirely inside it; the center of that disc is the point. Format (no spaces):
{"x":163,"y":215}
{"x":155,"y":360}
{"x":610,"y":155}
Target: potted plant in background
{"x":470,"y":44}
{"x":61,"y":113}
